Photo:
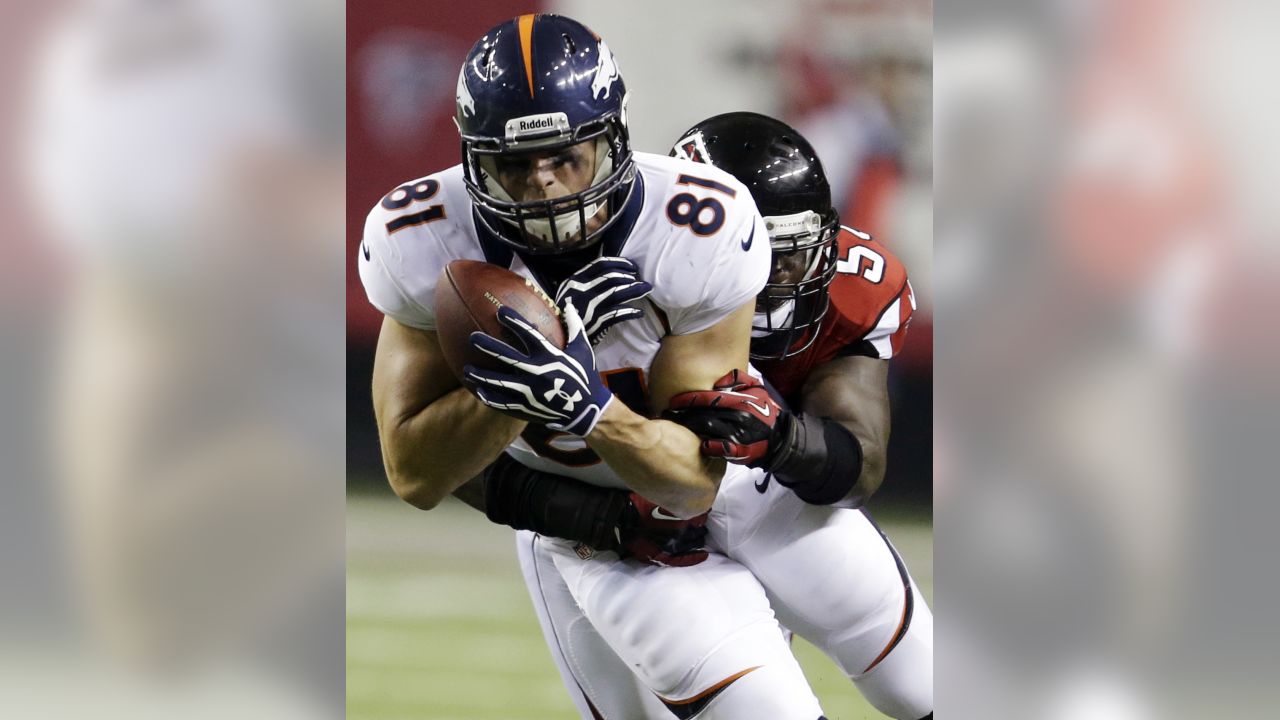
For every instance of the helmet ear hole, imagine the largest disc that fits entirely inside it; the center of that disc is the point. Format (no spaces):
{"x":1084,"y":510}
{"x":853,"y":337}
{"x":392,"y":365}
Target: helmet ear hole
{"x":569,"y":45}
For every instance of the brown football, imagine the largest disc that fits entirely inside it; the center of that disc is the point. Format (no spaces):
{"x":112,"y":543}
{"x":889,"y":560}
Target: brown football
{"x":468,"y":296}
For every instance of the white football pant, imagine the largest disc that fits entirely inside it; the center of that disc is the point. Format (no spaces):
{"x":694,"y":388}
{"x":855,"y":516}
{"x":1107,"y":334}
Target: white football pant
{"x":828,"y":573}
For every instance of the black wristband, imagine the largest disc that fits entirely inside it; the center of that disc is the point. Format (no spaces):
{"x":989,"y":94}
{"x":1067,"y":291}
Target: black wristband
{"x":526,"y":499}
{"x":818,"y":459}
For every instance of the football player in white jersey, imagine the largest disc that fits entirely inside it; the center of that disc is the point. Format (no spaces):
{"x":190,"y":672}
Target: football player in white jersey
{"x":828,"y":325}
{"x":549,"y":184}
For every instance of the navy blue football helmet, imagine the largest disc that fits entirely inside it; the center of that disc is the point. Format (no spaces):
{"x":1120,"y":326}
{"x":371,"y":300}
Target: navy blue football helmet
{"x":542,"y":83}
{"x":785,"y":177}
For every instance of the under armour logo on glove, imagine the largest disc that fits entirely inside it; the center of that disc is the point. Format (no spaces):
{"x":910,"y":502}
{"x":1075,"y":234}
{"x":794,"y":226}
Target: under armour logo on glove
{"x":544,"y":373}
{"x":568,"y":399}
{"x":601,"y":291}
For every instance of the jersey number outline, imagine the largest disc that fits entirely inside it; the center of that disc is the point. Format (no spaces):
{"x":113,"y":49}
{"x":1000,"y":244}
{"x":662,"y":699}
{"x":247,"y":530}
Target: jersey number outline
{"x":628,"y":384}
{"x":865,"y":262}
{"x":402,"y":196}
{"x":686,"y":209}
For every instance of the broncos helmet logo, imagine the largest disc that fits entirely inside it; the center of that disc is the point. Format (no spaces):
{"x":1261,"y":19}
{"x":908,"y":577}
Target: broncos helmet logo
{"x":606,"y":73}
{"x":466,"y":103}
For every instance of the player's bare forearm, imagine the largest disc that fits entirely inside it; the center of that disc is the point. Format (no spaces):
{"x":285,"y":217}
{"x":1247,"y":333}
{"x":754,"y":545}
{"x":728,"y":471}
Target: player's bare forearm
{"x":435,"y":435}
{"x":853,"y":391}
{"x":436,"y":451}
{"x":873,"y":461}
{"x":658,"y":459}
{"x":662,"y":460}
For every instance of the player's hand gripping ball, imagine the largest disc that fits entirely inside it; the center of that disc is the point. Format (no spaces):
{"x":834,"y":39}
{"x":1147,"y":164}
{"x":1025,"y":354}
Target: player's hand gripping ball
{"x":468,"y":297}
{"x":601,"y":291}
{"x":557,"y":387}
{"x":737,"y":419}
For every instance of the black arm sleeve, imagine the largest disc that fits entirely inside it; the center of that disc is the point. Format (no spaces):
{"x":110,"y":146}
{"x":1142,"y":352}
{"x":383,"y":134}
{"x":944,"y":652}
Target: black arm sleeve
{"x":819,"y":459}
{"x":527,"y":499}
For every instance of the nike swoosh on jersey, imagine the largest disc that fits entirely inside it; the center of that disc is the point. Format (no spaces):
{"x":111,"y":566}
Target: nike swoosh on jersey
{"x":763,"y":485}
{"x":746,"y":244}
{"x":365,"y":248}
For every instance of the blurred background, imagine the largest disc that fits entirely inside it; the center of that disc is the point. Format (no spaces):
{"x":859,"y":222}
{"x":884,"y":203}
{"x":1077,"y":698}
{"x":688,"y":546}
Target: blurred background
{"x":436,"y":606}
{"x":171,"y":359}
{"x":1104,"y":285}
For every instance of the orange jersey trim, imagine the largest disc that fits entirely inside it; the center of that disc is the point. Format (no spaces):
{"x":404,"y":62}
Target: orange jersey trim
{"x":711,"y":690}
{"x":893,"y":642}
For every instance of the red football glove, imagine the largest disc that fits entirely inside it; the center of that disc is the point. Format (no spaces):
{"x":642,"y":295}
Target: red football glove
{"x":657,"y":537}
{"x":736,"y":419}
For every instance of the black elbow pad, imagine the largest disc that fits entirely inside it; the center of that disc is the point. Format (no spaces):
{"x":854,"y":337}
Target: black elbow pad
{"x":526,"y":499}
{"x":822,"y":462}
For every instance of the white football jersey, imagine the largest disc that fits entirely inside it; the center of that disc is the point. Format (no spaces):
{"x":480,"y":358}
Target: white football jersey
{"x":691,"y":229}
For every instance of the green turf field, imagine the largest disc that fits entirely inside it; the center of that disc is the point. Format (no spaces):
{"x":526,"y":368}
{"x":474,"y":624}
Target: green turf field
{"x":439,"y":626}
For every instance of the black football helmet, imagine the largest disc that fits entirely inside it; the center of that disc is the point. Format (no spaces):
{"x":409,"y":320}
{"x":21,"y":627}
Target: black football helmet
{"x":541,"y":83}
{"x":787,"y":182}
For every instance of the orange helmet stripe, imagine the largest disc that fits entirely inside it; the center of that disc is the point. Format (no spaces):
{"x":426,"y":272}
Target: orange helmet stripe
{"x":525,"y":23}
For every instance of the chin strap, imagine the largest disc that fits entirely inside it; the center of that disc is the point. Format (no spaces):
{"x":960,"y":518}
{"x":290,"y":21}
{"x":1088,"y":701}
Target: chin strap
{"x":819,"y":460}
